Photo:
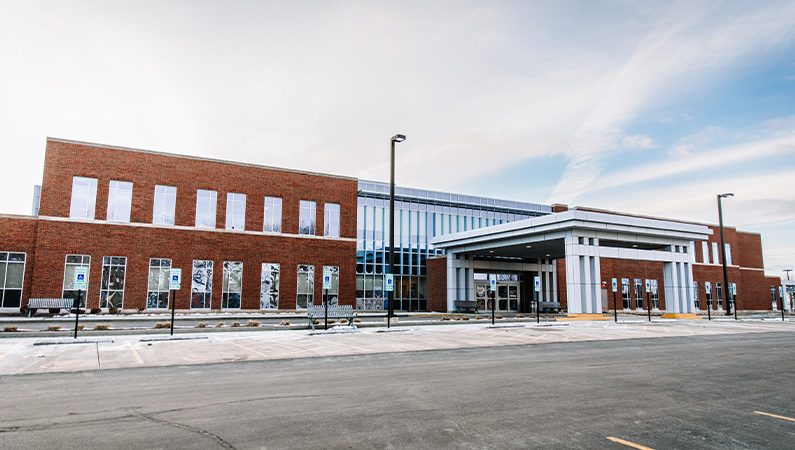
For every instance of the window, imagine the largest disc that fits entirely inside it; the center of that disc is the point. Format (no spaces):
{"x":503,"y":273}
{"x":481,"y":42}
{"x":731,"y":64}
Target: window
{"x":705,"y":251}
{"x":201,"y":286}
{"x":165,"y":203}
{"x":273,"y":215}
{"x":84,"y":198}
{"x":205,"y":208}
{"x":159,"y":276}
{"x":306,"y":218}
{"x":696,"y":301}
{"x":235,"y":211}
{"x":72,"y":263}
{"x":331,"y":295}
{"x":331,"y":220}
{"x":625,"y":294}
{"x":12,"y":274}
{"x":269,"y":286}
{"x":638,"y":293}
{"x":111,"y":293}
{"x":119,"y":201}
{"x":728,"y":250}
{"x":715,"y":254}
{"x":655,"y":294}
{"x":730,"y":294}
{"x":719,"y":295}
{"x":306,"y":285}
{"x":774,"y":297}
{"x":232,"y":285}
{"x":708,"y":293}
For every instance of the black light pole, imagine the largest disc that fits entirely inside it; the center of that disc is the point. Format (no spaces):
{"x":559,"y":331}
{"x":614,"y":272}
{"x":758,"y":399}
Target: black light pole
{"x":787,"y":271}
{"x":723,"y":255}
{"x":390,"y":304}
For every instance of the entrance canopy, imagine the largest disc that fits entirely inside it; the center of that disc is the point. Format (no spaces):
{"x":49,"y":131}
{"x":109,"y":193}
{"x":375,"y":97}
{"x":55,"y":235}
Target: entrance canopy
{"x":581,"y":238}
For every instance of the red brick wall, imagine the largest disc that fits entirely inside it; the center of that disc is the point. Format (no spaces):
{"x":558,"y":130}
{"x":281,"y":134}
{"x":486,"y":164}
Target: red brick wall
{"x":437,"y":284}
{"x":64,"y":160}
{"x":622,"y":268}
{"x":56,"y":239}
{"x":18,"y":235}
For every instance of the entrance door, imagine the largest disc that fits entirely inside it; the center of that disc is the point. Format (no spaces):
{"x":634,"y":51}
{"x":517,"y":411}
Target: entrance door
{"x":507,"y":296}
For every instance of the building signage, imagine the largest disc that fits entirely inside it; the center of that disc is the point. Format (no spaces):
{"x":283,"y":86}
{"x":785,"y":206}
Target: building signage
{"x":390,"y":283}
{"x":708,"y":287}
{"x":81,"y":278}
{"x":326,"y":279}
{"x":537,"y":284}
{"x":648,"y":285}
{"x":174,"y":280}
{"x":615,"y":285}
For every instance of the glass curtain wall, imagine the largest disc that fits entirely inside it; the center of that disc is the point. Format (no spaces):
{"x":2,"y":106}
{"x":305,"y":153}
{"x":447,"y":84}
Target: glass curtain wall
{"x":420,"y":216}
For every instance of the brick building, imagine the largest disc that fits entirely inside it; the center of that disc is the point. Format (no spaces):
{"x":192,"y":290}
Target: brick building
{"x":252,"y":237}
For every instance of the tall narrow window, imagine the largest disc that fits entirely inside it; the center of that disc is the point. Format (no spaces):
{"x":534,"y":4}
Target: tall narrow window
{"x":119,"y":201}
{"x":232,"y":288}
{"x":708,"y":294}
{"x":655,"y":294}
{"x":111,"y":293}
{"x":626,"y":296}
{"x":72,"y":263}
{"x":696,"y":301}
{"x":306,"y":218}
{"x":235,"y":211}
{"x":165,"y":203}
{"x":331,"y":295}
{"x":12,"y":275}
{"x":719,"y":295}
{"x":728,"y":251}
{"x":638,"y":293}
{"x":705,"y":251}
{"x":206,"y":202}
{"x":84,"y":198}
{"x":159,"y":276}
{"x":306,"y":285}
{"x":715,"y":254}
{"x":273,"y":215}
{"x":331,"y":220}
{"x":201,"y":287}
{"x":269,"y":286}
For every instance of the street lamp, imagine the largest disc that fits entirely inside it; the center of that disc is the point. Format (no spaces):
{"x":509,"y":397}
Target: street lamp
{"x":788,"y":271}
{"x":726,"y":290}
{"x":390,"y":301}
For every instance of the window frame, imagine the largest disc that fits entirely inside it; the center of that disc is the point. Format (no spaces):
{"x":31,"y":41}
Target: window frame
{"x":4,"y":288}
{"x":207,"y":293}
{"x":309,"y":294}
{"x":91,"y":198}
{"x":272,"y":215}
{"x":162,"y":200}
{"x":71,"y":293}
{"x":272,"y":285}
{"x":235,"y":211}
{"x":226,"y":293}
{"x":309,"y":208}
{"x":212,"y":207}
{"x":159,"y":290}
{"x":105,"y":302}
{"x":331,"y":220}
{"x":117,"y":202}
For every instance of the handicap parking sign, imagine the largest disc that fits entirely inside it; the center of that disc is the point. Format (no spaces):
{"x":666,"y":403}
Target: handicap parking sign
{"x":81,"y":278}
{"x":174,"y":282}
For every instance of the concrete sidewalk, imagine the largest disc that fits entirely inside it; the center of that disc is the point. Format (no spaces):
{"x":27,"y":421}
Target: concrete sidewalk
{"x":25,"y":355}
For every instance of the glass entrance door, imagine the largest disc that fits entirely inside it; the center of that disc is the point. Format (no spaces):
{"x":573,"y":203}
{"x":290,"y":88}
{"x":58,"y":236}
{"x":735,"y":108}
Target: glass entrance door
{"x":507,"y":296}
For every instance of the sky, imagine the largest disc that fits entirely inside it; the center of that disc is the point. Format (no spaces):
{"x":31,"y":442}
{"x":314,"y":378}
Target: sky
{"x":644,"y":107}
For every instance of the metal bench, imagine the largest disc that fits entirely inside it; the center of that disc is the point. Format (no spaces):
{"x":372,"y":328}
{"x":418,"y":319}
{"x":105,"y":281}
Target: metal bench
{"x":49,"y":303}
{"x":318,"y":312}
{"x":549,"y":307}
{"x":466,"y":305}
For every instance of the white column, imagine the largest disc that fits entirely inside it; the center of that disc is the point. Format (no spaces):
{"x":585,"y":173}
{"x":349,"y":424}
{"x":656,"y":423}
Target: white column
{"x":452,"y":282}
{"x":671,"y":293}
{"x":554,"y":296}
{"x":573,"y":274}
{"x":597,"y":278}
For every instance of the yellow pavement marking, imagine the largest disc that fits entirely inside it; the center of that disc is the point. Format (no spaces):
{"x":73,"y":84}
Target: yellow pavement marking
{"x":10,"y":350}
{"x":629,"y":444}
{"x":773,"y":415}
{"x":540,"y":337}
{"x":135,"y":353}
{"x":246,"y":348}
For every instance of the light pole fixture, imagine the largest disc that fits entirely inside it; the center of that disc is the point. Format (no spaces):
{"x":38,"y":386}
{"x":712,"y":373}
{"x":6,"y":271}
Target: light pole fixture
{"x":787,"y":271}
{"x":390,"y":300}
{"x":726,"y":290}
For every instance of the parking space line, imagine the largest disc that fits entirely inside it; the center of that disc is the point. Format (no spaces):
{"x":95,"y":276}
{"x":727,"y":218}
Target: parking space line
{"x":540,"y":337}
{"x":245,"y":348}
{"x":776,"y":416}
{"x":628,"y":444}
{"x":135,"y":353}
